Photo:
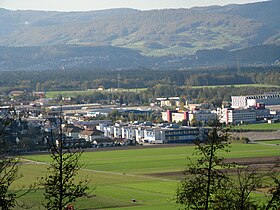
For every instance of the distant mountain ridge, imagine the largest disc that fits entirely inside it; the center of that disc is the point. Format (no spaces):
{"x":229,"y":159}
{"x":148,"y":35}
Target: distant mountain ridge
{"x":154,"y":32}
{"x":129,"y":38}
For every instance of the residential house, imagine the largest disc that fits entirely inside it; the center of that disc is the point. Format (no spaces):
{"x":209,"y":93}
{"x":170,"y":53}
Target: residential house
{"x":139,"y":134}
{"x":16,"y":93}
{"x":128,"y":132}
{"x":91,"y":134}
{"x":70,"y":142}
{"x":103,"y":142}
{"x":72,"y":131}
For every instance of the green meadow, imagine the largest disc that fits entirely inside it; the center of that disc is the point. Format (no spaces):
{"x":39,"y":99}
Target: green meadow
{"x":119,"y":176}
{"x":271,"y":142}
{"x":54,"y":94}
{"x":74,"y":93}
{"x":260,"y":126}
{"x":237,"y":86}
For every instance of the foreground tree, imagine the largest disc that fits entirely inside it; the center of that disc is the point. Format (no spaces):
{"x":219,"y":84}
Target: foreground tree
{"x":8,"y":175}
{"x":274,"y":201}
{"x":237,"y":194}
{"x":246,"y":180}
{"x":60,"y":185}
{"x":9,"y":168}
{"x":207,"y":185}
{"x":204,"y":179}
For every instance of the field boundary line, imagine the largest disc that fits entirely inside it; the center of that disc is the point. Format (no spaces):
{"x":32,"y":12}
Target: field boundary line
{"x":104,"y":172}
{"x":130,"y":175}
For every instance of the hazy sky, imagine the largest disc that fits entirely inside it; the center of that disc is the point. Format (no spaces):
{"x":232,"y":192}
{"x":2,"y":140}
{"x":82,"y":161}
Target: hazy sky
{"x":81,"y":5}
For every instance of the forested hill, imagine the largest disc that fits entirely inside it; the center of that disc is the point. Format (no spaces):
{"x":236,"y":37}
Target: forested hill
{"x":113,"y":58}
{"x":154,"y":32}
{"x":128,"y":38}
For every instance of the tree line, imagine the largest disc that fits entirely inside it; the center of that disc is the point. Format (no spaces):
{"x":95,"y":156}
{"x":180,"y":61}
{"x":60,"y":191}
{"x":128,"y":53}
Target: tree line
{"x":137,"y":78}
{"x":201,"y":95}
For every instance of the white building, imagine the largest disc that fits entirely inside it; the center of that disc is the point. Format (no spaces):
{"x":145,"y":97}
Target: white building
{"x":117,"y":131}
{"x":171,"y":101}
{"x":153,"y":134}
{"x":170,"y":135}
{"x":139,"y":134}
{"x":269,"y":99}
{"x":202,"y":116}
{"x":235,"y":116}
{"x":150,"y":136}
{"x":128,"y":132}
{"x":178,"y":117}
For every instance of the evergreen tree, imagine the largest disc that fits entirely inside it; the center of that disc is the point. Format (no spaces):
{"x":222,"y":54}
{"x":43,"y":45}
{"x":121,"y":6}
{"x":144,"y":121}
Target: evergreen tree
{"x":8,"y":174}
{"x":204,"y":179}
{"x":9,"y":169}
{"x":60,"y":185}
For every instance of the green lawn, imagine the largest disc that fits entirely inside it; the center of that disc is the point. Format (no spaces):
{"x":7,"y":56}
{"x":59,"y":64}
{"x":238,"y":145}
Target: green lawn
{"x":260,"y":126}
{"x":122,"y":175}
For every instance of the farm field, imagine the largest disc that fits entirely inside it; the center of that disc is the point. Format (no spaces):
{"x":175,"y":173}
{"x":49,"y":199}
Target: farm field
{"x":271,"y":142}
{"x":141,"y":174}
{"x":238,"y":85}
{"x":54,"y":94}
{"x":260,"y":126}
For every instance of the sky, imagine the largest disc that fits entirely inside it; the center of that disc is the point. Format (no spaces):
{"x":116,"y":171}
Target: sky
{"x":86,"y":5}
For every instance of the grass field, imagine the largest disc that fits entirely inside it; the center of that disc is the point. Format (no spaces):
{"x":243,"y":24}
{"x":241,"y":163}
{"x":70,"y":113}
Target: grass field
{"x":271,"y":142}
{"x":122,"y":175}
{"x":260,"y":126}
{"x":54,"y":94}
{"x":238,"y":85}
{"x":73,"y":93}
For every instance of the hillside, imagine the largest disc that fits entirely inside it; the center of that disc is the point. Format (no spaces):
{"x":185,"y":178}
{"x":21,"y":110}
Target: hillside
{"x":128,"y":38}
{"x":108,"y":57}
{"x":154,"y":32}
{"x":69,"y":57}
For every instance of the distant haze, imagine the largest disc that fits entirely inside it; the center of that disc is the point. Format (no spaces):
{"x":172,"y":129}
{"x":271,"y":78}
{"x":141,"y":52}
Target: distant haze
{"x":86,"y":5}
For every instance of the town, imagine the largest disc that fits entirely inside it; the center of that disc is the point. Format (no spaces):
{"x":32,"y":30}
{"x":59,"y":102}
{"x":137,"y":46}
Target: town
{"x":164,"y":121}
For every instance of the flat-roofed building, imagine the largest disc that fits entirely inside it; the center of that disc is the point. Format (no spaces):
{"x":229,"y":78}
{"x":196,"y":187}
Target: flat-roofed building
{"x":269,"y":99}
{"x":235,"y":116}
{"x":181,"y":135}
{"x":174,"y":116}
{"x":180,"y":116}
{"x":202,"y":116}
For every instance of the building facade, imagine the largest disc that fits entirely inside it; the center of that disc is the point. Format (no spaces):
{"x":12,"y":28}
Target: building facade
{"x":236,"y":116}
{"x":269,"y":99}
